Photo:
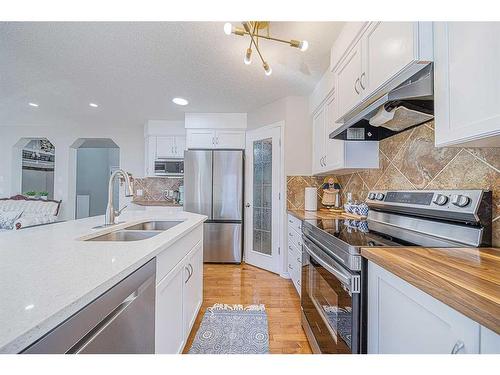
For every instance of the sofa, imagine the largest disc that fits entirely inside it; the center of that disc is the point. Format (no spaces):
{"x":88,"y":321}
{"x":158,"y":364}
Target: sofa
{"x":22,"y":212}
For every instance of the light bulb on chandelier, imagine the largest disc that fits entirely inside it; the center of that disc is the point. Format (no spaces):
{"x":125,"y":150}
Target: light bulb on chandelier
{"x":267,"y":69}
{"x":248,"y":57}
{"x":228,"y":28}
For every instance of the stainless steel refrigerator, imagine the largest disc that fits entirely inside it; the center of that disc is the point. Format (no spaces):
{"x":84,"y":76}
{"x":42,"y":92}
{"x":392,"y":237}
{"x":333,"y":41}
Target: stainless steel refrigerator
{"x":213,"y":186}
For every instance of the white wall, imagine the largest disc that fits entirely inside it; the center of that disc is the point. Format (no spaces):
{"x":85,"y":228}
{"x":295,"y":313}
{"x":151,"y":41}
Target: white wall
{"x":294,"y":111}
{"x":130,"y":139}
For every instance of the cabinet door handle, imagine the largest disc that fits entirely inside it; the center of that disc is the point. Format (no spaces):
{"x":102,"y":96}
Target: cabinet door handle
{"x":290,"y":221}
{"x":361,"y":81}
{"x":290,"y":266}
{"x":216,"y":140}
{"x":356,"y":86}
{"x":189,"y":273}
{"x":459,"y":345}
{"x":299,"y":260}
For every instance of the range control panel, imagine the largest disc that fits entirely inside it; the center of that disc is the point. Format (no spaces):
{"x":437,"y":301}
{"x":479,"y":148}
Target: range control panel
{"x":464,"y":201}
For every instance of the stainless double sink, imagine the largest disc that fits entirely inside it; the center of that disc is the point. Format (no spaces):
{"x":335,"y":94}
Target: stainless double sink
{"x":137,"y":232}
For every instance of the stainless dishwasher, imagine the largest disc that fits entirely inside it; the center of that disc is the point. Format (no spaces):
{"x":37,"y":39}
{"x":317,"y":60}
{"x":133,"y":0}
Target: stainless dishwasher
{"x":120,"y":321}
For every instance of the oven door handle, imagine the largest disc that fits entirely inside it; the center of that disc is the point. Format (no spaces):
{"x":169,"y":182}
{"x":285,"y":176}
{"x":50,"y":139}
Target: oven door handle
{"x":351,"y":282}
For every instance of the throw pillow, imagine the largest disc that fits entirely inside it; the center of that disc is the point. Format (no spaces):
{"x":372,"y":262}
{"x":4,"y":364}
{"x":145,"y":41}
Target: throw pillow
{"x":8,"y":218}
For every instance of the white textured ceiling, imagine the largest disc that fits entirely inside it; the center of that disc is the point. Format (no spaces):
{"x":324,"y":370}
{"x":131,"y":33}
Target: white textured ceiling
{"x":133,"y":70}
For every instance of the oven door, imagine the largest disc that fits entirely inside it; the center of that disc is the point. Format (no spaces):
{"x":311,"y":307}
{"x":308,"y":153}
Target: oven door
{"x":330,"y":301}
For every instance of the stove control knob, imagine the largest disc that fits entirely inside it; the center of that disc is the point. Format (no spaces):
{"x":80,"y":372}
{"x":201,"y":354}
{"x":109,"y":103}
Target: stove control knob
{"x":460,"y":200}
{"x":380,"y":196}
{"x":371,"y":196}
{"x":440,"y":199}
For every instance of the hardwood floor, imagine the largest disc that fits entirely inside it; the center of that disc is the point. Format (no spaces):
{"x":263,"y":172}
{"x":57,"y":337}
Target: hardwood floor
{"x":246,"y":285}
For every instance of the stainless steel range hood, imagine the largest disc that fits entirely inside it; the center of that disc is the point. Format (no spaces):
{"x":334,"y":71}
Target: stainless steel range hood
{"x":410,"y":104}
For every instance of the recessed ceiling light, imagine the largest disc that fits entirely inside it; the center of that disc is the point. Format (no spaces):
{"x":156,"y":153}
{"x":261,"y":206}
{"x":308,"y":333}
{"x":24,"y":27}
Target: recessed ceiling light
{"x":180,"y":101}
{"x":29,"y":307}
{"x":33,"y":104}
{"x":93,"y":105}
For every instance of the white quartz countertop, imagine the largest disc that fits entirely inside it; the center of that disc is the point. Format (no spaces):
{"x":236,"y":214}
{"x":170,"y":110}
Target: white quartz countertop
{"x":48,"y":273}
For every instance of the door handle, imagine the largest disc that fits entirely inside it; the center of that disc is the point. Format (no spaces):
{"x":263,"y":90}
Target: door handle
{"x":356,"y":86}
{"x":361,"y":81}
{"x":247,"y":205}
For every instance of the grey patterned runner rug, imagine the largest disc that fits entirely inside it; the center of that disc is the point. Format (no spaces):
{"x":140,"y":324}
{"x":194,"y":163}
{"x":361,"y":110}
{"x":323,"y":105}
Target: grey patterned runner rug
{"x":232,"y":329}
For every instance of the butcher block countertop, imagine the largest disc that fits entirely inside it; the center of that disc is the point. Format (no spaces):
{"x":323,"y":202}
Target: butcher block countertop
{"x":467,"y":279}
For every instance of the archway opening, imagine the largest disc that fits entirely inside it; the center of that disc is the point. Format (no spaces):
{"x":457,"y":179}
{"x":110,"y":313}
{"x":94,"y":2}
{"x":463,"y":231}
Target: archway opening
{"x":96,"y":160}
{"x":33,"y":169}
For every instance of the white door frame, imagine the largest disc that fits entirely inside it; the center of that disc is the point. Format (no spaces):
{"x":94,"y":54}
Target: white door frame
{"x":279,"y":265}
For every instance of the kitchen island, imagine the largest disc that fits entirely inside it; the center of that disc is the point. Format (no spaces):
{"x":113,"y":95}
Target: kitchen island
{"x":49,"y":273}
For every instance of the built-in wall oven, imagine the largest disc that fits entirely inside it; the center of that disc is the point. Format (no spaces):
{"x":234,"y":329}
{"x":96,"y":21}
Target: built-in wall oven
{"x":169,"y":167}
{"x":334,"y":292}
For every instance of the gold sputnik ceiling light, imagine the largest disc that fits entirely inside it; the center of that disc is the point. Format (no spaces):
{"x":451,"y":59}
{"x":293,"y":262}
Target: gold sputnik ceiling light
{"x":257,"y":30}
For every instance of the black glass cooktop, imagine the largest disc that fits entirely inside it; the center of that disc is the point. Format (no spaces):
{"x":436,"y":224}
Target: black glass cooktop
{"x":354,"y":232}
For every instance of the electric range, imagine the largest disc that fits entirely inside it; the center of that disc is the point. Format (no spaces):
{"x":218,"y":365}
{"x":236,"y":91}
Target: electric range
{"x":334,"y":273}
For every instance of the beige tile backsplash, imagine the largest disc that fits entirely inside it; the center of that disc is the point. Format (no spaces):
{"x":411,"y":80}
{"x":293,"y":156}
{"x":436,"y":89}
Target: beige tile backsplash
{"x":153,"y":188}
{"x":409,"y":160}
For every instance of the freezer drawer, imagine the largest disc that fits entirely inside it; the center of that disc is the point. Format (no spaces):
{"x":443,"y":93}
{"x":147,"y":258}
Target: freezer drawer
{"x":222,"y":242}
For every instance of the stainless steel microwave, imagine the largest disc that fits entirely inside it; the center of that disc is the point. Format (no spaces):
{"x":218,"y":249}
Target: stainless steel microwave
{"x":169,"y":167}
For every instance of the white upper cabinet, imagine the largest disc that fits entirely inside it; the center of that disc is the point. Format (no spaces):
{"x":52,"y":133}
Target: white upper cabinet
{"x":165,"y":147}
{"x":381,"y":52}
{"x":200,"y":138}
{"x":389,"y":47}
{"x":163,"y":140}
{"x":334,"y":148}
{"x":230,"y":139}
{"x":467,"y":84}
{"x":348,"y":80}
{"x":215,"y":139}
{"x":319,"y":138}
{"x":180,"y":146}
{"x":216,"y":130}
{"x":334,"y":155}
{"x":170,"y":147}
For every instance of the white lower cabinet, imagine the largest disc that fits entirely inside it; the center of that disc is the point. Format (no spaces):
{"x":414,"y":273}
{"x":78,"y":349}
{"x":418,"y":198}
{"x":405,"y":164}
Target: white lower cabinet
{"x":179,"y":297}
{"x":295,"y":251}
{"x":169,"y":328}
{"x":490,"y":341}
{"x":193,"y":287}
{"x":404,"y":319}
